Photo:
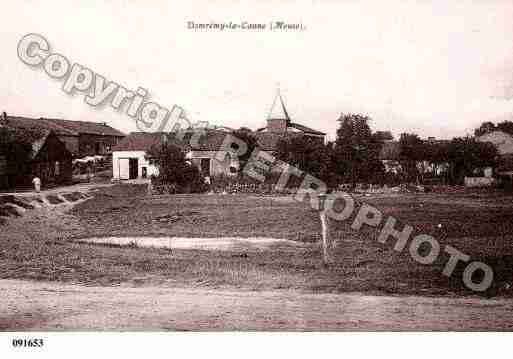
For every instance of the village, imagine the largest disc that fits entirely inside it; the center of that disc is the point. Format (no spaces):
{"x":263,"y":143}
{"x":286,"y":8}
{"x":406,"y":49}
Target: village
{"x":171,"y":212}
{"x":61,"y":152}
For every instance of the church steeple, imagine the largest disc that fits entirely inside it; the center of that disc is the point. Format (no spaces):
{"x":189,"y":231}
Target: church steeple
{"x":278,"y":117}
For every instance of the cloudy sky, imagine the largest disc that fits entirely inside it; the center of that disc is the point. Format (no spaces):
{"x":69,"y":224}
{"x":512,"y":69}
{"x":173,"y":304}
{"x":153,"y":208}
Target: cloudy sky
{"x":428,"y":67}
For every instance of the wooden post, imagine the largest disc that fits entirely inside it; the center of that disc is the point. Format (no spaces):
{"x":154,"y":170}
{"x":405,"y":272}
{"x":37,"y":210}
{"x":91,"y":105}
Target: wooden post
{"x":324,"y":228}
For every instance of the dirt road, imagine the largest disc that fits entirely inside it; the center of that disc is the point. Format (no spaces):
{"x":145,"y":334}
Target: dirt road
{"x":53,"y":306}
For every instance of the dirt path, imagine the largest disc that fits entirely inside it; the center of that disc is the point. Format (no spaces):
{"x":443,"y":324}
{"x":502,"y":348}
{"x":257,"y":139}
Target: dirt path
{"x":53,"y":306}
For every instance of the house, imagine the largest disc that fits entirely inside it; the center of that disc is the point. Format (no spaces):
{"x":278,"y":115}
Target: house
{"x":280,"y":126}
{"x":207,"y":153}
{"x":94,"y":138}
{"x":81,"y":138}
{"x":48,"y":159}
{"x":129,"y":157}
{"x":390,"y":156}
{"x":504,"y":144}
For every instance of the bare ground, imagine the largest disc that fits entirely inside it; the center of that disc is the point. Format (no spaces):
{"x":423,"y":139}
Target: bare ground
{"x":53,"y":306}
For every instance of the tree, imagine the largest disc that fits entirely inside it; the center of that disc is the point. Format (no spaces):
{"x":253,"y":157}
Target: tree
{"x":437,"y":154}
{"x":308,"y":154}
{"x":485,"y":127}
{"x":16,"y":147}
{"x":174,"y":172}
{"x":505,"y":126}
{"x":244,"y":134}
{"x":466,"y":155}
{"x":383,"y":136}
{"x":357,"y":150}
{"x":412,"y":153}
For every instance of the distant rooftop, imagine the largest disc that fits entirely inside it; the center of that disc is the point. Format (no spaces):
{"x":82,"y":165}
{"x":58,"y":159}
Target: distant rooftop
{"x":61,"y":127}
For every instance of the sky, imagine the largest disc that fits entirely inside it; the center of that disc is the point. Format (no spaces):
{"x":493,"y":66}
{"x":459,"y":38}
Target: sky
{"x":429,"y":67}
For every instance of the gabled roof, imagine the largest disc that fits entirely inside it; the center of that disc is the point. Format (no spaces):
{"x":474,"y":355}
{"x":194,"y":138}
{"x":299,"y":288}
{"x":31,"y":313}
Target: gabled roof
{"x":41,"y":124}
{"x":139,"y":141}
{"x":35,"y":137}
{"x":279,"y":112}
{"x":305,"y":129}
{"x":268,"y":141}
{"x":209,"y":140}
{"x":39,"y":142}
{"x":85,"y":127}
{"x":63,"y":127}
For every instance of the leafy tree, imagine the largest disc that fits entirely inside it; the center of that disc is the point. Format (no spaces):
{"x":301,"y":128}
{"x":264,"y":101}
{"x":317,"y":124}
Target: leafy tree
{"x":436,"y":153}
{"x":308,"y":154}
{"x":174,"y":172}
{"x":466,"y":155}
{"x":412,"y":152}
{"x":383,"y":136}
{"x":244,"y":134}
{"x":506,"y":126}
{"x":357,"y":150}
{"x":484,"y":128}
{"x":16,"y":147}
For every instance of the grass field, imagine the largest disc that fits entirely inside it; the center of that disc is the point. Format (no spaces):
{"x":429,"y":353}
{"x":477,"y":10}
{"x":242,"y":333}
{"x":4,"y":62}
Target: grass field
{"x":41,"y":246}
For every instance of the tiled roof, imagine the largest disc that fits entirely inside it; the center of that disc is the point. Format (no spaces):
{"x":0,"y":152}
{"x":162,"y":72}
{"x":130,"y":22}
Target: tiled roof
{"x":305,"y":129}
{"x":297,"y":126}
{"x":210,"y":140}
{"x":139,"y":141}
{"x":36,"y":137}
{"x":63,"y":127}
{"x":41,"y":124}
{"x":268,"y":141}
{"x":94,"y":128}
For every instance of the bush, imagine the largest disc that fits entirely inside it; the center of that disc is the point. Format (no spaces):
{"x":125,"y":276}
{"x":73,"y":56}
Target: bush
{"x":176,"y":175}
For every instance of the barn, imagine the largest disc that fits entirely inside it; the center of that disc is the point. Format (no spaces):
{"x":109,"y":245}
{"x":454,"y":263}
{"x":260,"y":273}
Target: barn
{"x":47,"y":159}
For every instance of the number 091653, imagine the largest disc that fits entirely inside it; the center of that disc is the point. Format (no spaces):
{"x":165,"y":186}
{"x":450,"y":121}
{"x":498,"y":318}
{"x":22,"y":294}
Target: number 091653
{"x":27,"y":343}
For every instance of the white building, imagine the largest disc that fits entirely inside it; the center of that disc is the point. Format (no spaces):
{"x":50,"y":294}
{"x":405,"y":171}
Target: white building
{"x":129,"y":156}
{"x":129,"y":159}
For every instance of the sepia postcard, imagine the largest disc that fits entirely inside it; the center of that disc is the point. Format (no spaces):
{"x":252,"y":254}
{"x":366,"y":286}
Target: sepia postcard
{"x":261,"y":166}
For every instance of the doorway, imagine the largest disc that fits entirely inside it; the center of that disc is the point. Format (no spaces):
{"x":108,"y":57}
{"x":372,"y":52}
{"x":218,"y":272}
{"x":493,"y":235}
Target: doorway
{"x":133,"y":168}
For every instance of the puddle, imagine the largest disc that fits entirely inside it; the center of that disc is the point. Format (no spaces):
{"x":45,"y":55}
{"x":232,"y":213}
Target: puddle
{"x":222,"y":243}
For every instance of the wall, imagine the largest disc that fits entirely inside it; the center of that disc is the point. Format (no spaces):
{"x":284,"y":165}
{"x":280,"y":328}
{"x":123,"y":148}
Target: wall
{"x":87,"y":144}
{"x":479,"y":181}
{"x":142,"y":162}
{"x":71,"y":143}
{"x":216,"y":167}
{"x":53,"y":162}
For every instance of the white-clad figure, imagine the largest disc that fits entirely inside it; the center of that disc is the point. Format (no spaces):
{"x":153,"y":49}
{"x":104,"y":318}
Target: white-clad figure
{"x":37,"y":183}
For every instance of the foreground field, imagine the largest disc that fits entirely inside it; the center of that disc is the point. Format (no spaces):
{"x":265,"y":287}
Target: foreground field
{"x":42,"y":246}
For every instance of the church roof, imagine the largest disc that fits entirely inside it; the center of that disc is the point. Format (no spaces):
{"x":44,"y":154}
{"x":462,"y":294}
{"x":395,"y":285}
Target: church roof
{"x":278,"y":110}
